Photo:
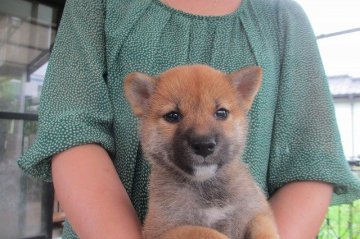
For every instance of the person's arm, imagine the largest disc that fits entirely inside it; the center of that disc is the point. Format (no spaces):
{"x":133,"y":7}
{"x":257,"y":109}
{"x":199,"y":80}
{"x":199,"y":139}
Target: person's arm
{"x":300,"y":208}
{"x":92,"y":195}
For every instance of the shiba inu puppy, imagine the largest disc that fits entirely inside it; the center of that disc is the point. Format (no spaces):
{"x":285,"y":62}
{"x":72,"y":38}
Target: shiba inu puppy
{"x":193,"y":128}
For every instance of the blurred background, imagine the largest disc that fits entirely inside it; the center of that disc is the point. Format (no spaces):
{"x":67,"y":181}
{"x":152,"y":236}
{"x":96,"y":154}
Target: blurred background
{"x":27,"y":33}
{"x":29,"y":209}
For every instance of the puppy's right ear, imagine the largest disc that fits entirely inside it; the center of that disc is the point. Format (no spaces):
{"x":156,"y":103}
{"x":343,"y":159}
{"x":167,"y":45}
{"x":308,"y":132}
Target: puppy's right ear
{"x":247,"y":82}
{"x":138,"y":89}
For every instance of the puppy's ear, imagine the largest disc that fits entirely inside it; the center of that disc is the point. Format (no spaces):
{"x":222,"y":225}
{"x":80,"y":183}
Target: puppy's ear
{"x":247,"y":82}
{"x":138,"y":89}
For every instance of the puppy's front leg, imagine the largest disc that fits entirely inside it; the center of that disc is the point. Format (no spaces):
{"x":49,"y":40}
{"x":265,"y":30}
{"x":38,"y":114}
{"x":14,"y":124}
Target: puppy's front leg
{"x":262,"y":226}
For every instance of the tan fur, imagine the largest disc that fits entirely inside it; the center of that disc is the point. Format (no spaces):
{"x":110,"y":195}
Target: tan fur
{"x":193,"y":232}
{"x":262,"y":227}
{"x":205,"y":186}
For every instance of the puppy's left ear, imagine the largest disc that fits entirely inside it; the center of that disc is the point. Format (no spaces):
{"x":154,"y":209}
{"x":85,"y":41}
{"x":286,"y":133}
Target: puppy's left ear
{"x":247,"y":82}
{"x":138,"y":89}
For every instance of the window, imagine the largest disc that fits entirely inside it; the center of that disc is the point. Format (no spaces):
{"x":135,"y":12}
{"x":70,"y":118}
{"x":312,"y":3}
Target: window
{"x":27,"y":32}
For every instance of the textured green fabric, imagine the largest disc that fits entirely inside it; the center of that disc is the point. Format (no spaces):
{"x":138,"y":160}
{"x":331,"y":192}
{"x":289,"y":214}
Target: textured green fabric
{"x":293,"y":133}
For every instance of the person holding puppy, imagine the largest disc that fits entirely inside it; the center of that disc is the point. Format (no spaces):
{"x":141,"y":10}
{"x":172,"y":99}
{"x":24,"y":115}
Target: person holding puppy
{"x":87,"y":139}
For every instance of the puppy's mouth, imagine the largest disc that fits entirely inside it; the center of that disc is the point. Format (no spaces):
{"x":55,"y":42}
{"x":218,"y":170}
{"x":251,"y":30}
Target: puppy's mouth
{"x":198,"y":167}
{"x":199,"y":156}
{"x":204,"y":172}
{"x":197,"y":170}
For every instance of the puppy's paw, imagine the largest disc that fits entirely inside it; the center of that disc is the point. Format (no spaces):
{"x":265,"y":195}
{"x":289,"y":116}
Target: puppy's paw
{"x":262,"y":226}
{"x":193,"y":232}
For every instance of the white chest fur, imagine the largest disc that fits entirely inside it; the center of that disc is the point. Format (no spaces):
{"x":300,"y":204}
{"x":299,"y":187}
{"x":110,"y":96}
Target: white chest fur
{"x":214,"y":214}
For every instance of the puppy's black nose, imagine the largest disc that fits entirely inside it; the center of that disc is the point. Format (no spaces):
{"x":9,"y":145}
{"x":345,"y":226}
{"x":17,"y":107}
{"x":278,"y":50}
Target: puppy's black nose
{"x":203,"y":146}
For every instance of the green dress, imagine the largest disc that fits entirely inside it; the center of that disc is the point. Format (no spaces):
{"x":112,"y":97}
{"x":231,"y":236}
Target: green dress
{"x":293,"y":134}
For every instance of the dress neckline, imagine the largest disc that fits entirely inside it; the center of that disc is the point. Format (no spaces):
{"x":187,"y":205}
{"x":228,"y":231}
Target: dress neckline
{"x":230,"y":15}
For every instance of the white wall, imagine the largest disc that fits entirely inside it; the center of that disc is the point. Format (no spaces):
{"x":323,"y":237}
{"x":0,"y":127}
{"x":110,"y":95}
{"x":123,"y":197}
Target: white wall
{"x":348,"y":119}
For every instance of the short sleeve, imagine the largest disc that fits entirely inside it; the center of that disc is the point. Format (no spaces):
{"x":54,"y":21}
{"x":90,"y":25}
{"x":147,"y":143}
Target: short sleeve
{"x":75,"y":107}
{"x":306,"y":143}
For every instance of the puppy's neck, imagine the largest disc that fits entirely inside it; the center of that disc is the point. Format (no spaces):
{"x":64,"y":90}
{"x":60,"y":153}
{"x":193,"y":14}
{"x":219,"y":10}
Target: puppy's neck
{"x":217,"y":191}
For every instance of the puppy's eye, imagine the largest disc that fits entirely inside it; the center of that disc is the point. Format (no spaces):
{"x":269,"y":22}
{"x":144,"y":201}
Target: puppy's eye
{"x":221,"y":114}
{"x":173,"y":117}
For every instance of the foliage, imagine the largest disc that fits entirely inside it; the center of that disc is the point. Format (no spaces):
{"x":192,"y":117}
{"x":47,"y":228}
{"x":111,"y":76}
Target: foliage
{"x":342,"y":221}
{"x":30,"y":128}
{"x":9,"y":93}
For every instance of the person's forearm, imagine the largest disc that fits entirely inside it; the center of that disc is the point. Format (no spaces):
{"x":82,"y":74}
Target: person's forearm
{"x":300,"y":208}
{"x":92,"y":195}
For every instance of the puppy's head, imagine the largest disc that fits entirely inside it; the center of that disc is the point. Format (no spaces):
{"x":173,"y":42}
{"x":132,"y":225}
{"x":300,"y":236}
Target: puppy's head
{"x":193,"y":118}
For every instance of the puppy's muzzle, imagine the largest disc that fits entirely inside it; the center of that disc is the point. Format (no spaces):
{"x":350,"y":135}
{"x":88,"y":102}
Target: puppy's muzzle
{"x":203,"y":145}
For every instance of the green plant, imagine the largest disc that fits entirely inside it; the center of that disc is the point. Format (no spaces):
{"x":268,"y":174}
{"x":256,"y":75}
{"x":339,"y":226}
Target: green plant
{"x":342,"y":221}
